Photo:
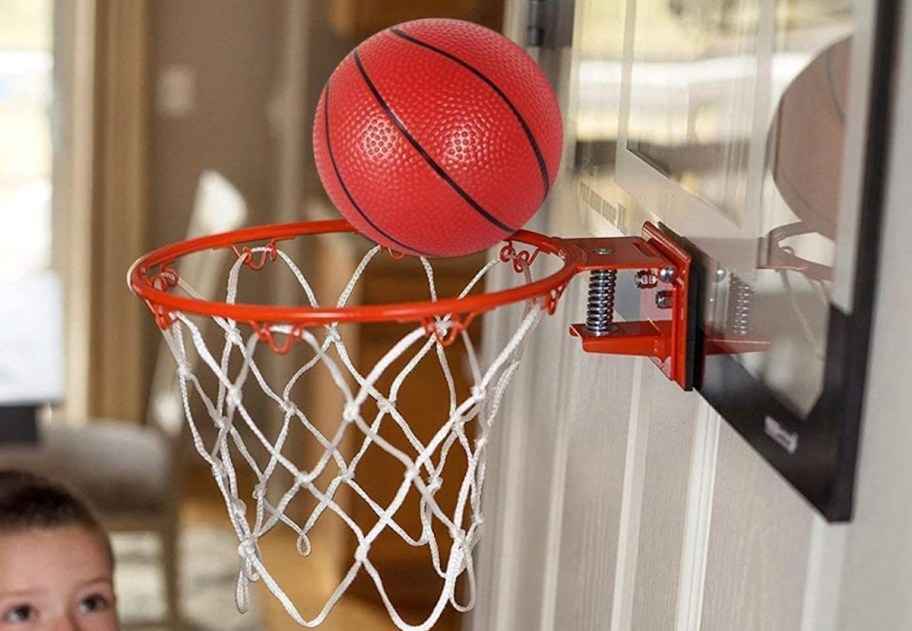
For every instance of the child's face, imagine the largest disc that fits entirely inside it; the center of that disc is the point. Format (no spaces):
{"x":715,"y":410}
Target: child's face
{"x":56,"y":578}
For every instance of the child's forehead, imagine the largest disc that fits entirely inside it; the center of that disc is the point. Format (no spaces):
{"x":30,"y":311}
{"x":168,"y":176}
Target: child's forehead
{"x":50,"y":535}
{"x":48,"y":557}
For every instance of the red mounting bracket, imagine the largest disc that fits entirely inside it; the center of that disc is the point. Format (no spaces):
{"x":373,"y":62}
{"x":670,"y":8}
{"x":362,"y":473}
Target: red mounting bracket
{"x":666,"y":330}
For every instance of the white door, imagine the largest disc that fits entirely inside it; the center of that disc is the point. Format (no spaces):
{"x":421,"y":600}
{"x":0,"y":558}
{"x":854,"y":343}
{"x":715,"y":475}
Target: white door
{"x":615,"y":500}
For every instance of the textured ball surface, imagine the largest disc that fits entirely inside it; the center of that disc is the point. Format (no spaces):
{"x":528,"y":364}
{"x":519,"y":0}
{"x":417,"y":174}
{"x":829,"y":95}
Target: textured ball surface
{"x":437,"y":137}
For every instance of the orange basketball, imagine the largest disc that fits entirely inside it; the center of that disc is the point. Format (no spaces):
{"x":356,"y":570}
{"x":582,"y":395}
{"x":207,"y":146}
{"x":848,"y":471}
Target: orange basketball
{"x":437,"y":137}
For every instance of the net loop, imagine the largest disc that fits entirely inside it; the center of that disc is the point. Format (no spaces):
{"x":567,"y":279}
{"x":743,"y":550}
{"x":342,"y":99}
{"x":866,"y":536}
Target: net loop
{"x":396,"y":255}
{"x":521,"y":259}
{"x":164,"y":317}
{"x":447,"y":330}
{"x":164,"y":279}
{"x":552,"y":298}
{"x":267,"y":334}
{"x":267,"y":253}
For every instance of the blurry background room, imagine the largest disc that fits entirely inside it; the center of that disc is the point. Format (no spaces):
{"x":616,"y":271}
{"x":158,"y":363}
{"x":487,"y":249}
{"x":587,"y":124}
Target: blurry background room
{"x":126,"y":126}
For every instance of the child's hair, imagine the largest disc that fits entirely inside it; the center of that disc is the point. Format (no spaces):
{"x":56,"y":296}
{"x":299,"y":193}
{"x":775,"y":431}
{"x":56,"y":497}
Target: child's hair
{"x":29,"y":501}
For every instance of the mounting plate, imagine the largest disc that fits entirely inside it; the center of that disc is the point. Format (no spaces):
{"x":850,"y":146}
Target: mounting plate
{"x":666,"y":332}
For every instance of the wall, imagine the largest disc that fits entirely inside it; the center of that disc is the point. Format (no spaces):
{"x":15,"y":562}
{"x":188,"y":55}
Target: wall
{"x":233,"y":50}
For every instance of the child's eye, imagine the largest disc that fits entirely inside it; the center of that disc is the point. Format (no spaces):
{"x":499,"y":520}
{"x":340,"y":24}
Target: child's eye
{"x":95,"y":602}
{"x":20,"y":613}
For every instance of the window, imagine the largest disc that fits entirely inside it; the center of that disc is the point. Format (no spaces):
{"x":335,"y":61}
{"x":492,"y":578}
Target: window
{"x":26,"y":93}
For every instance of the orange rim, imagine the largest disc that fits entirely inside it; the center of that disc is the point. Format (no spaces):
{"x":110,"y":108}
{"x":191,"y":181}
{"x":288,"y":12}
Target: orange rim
{"x":151,"y":277}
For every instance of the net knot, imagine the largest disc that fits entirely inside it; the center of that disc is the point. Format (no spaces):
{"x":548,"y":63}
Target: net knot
{"x":234,"y":396}
{"x":385,"y":406}
{"x":479,"y":392}
{"x":184,"y":371}
{"x":233,"y":336}
{"x":259,"y":491}
{"x":218,"y":470}
{"x":481,"y":442}
{"x":434,"y":485}
{"x":361,"y":552}
{"x":332,"y":333}
{"x":247,"y":548}
{"x":459,"y":539}
{"x":289,"y":408}
{"x":239,"y":507}
{"x":350,"y":412}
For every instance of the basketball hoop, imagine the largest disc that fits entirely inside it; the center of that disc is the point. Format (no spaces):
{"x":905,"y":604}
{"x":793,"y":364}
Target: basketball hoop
{"x":543,"y":266}
{"x":153,"y":278}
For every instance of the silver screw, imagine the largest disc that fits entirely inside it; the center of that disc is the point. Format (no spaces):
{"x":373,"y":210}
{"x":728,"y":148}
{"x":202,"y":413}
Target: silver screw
{"x":667,"y":274}
{"x":664,"y":299}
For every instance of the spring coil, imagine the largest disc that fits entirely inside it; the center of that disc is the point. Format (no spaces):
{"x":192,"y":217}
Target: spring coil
{"x":600,"y":307}
{"x":740,"y":299}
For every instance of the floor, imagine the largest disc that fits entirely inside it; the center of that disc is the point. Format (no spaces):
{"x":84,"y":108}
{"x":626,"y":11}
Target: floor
{"x":204,"y":505}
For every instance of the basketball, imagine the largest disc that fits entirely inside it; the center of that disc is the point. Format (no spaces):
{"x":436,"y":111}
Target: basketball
{"x":808,"y":136}
{"x":437,"y":137}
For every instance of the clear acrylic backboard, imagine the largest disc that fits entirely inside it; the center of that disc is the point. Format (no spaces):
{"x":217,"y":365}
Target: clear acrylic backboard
{"x":745,"y":129}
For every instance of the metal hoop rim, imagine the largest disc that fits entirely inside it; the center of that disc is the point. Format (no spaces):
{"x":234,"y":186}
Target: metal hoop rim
{"x":547,"y":289}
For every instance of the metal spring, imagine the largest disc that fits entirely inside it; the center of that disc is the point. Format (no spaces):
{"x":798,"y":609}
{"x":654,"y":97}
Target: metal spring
{"x":740,"y":298}
{"x":600,"y":307}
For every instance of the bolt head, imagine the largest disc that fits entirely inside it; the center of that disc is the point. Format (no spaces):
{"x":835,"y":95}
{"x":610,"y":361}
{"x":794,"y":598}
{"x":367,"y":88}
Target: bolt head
{"x":667,"y":274}
{"x":663,"y":299}
{"x":644,"y":279}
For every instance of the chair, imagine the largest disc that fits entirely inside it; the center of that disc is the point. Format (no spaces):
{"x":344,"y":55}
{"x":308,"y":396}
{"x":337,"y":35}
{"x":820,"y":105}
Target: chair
{"x":132,"y":474}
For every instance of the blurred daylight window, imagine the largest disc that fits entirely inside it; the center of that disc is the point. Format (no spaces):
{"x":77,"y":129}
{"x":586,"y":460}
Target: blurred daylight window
{"x":26,"y":95}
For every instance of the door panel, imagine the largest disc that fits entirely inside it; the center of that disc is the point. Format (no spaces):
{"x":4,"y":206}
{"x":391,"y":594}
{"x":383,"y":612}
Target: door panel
{"x":760,"y":535}
{"x":588,"y":499}
{"x":670,"y":416}
{"x":564,"y":429}
{"x":544,"y":430}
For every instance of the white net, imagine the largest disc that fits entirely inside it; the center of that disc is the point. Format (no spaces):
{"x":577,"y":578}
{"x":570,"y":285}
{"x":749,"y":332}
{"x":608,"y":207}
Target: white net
{"x":239,"y":446}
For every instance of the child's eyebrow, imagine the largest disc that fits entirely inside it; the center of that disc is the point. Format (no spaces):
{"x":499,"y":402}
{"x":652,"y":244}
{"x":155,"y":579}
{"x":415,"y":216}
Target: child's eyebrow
{"x":99,"y":579}
{"x":19,"y":594}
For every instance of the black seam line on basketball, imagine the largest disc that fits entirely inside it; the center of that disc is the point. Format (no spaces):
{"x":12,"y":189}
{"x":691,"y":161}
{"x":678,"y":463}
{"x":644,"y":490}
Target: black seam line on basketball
{"x":542,"y":167}
{"x":332,"y":158}
{"x":424,"y":154}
